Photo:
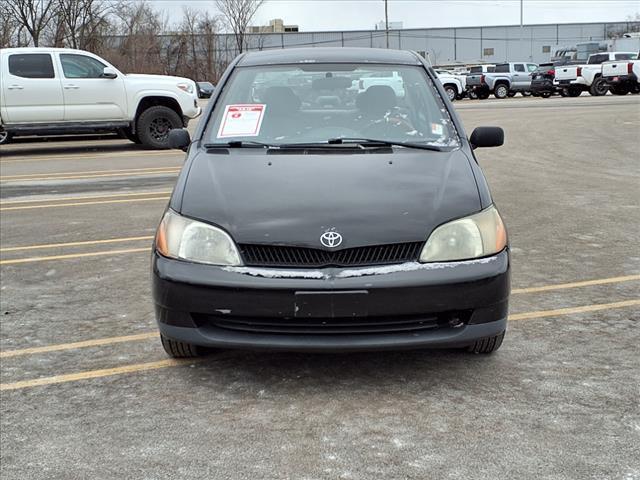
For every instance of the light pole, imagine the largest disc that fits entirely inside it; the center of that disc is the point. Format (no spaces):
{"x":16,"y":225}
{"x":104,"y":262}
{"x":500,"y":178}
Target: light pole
{"x":521,"y":26}
{"x":386,"y":21}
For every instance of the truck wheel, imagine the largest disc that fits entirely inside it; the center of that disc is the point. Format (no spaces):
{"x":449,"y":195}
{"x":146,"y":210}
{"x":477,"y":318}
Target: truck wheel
{"x":154,"y":125}
{"x":619,"y":90}
{"x":5,"y":137}
{"x":599,"y":87}
{"x":487,"y":344}
{"x":545,"y":94}
{"x":177,"y":349}
{"x":452,"y":93}
{"x":574,"y":91}
{"x":525,"y":94}
{"x":483,"y":95}
{"x":129,"y":135}
{"x":501,"y":91}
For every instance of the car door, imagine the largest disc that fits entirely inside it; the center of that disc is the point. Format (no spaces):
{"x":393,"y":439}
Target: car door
{"x":88,"y":96}
{"x":519,"y":77}
{"x":32,"y":90}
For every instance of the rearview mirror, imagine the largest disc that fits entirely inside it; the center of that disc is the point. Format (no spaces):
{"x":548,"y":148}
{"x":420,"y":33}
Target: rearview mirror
{"x":109,"y":72}
{"x":487,"y":137}
{"x":179,"y":139}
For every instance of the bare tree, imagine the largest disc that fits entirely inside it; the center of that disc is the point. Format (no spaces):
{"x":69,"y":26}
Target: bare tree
{"x":33,"y":15}
{"x":83,"y":20}
{"x":9,"y":29}
{"x":239,"y":14}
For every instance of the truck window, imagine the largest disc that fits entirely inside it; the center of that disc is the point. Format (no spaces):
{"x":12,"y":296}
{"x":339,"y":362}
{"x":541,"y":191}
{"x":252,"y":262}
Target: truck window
{"x":31,"y":65}
{"x":81,"y":66}
{"x":504,"y":68}
{"x":597,"y":59}
{"x":518,"y":67}
{"x":531,"y":67}
{"x":626,"y":56}
{"x":475,"y":70}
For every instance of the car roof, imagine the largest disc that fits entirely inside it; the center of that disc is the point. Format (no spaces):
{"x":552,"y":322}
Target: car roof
{"x":329,"y":55}
{"x":42,"y":50}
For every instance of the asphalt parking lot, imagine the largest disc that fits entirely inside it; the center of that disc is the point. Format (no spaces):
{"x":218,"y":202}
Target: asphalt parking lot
{"x":87,"y":391}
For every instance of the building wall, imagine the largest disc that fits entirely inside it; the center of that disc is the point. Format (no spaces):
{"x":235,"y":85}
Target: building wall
{"x":464,"y":45}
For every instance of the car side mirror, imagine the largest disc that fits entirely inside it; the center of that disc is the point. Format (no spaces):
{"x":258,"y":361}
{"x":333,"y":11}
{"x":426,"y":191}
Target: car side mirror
{"x":179,"y":139}
{"x":487,"y":137}
{"x":109,"y":72}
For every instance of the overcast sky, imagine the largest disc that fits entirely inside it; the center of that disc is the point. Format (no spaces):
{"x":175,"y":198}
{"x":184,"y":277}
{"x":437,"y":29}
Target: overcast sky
{"x":364,"y":14}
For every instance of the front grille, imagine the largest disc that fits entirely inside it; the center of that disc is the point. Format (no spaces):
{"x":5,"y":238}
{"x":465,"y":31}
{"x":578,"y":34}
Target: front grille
{"x":327,"y":326}
{"x":282,"y":256}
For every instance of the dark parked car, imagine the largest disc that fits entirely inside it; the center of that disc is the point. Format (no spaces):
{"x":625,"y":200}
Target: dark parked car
{"x":205,"y":89}
{"x":358,"y":224}
{"x":542,"y":81}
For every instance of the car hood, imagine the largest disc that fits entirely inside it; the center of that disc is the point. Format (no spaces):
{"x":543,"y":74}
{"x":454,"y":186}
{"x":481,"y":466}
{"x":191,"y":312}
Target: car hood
{"x":158,"y":78}
{"x":292,"y":199}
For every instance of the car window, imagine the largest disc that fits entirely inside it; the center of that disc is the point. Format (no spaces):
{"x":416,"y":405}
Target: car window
{"x":626,"y":56}
{"x":518,"y":67}
{"x":531,"y":67}
{"x":475,"y":70}
{"x":318,"y":102}
{"x":31,"y":65}
{"x":504,"y":68}
{"x":81,"y":66}
{"x":597,"y":59}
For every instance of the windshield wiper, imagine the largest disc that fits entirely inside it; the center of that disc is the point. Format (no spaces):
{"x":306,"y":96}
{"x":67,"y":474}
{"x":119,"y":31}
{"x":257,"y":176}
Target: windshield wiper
{"x":240,"y":144}
{"x":375,"y":141}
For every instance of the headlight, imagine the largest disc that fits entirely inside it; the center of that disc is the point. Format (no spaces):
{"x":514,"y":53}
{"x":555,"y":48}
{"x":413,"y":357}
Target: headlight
{"x":185,"y":239}
{"x":186,"y":87}
{"x":476,"y":236}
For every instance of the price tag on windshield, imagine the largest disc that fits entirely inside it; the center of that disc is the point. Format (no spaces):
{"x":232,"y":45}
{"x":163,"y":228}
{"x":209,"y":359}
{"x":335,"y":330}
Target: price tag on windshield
{"x":242,"y":120}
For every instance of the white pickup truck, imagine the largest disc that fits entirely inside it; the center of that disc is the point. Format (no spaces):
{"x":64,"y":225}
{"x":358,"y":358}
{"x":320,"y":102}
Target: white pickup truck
{"x":622,"y":77}
{"x":454,"y":85}
{"x":577,"y":78}
{"x":50,"y":91}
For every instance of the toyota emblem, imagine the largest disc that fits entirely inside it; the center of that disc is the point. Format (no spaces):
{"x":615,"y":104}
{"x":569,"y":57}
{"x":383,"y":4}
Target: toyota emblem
{"x":331,"y":239}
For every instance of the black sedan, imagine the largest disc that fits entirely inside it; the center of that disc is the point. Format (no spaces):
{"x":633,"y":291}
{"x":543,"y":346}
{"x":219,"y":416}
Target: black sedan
{"x":315,"y":216}
{"x":205,"y":89}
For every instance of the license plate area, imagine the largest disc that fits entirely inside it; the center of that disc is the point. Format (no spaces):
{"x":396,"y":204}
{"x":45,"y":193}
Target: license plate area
{"x":351,"y":303}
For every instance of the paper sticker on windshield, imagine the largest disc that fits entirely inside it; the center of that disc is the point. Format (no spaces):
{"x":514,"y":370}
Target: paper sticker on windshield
{"x":437,"y":129}
{"x":242,"y":120}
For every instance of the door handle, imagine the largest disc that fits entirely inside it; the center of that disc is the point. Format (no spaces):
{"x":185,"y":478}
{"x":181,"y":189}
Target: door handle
{"x":71,"y":87}
{"x":16,"y":87}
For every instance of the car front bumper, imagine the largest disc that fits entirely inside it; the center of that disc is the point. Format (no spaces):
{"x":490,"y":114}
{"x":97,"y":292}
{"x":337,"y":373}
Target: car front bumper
{"x":333,"y":309}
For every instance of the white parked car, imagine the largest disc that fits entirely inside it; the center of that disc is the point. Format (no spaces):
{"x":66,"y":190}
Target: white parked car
{"x":391,"y":79}
{"x":49,"y":91}
{"x":577,"y":78}
{"x":622,"y":76}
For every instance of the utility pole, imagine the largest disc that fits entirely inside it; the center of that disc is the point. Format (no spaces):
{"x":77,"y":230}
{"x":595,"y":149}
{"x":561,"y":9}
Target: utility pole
{"x":386,"y":21}
{"x":521,"y":26}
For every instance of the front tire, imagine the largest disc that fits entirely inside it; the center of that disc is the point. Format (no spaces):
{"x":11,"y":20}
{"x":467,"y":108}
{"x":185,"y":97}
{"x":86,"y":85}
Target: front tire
{"x":487,"y":345}
{"x":176,"y":349}
{"x":154,"y":125}
{"x":452,"y":93}
{"x":598,"y":87}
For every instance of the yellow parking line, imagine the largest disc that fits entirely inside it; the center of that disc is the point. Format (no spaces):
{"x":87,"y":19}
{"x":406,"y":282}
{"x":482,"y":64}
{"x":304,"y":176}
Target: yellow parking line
{"x":106,"y":372}
{"x":83,"y":344}
{"x":82,"y":177}
{"x":571,"y":310}
{"x":62,"y":199}
{"x":76,"y":244}
{"x":587,"y":283}
{"x":88,"y":172}
{"x":73,"y":255}
{"x":76,"y":204}
{"x":172,"y":362}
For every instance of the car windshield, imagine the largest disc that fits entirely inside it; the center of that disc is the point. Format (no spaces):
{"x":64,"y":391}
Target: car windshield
{"x":315,"y":103}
